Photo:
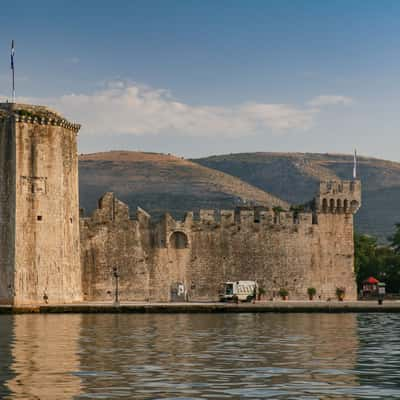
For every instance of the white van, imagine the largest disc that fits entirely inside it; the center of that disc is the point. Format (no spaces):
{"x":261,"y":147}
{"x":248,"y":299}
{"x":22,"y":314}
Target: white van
{"x":238,"y":291}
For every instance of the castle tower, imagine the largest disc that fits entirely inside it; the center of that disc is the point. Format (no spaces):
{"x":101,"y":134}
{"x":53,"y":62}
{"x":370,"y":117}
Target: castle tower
{"x":335,"y":206}
{"x":39,"y":207}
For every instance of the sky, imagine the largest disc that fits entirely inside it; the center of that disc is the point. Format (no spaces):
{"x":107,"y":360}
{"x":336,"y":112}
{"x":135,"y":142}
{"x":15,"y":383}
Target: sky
{"x":203,"y":77}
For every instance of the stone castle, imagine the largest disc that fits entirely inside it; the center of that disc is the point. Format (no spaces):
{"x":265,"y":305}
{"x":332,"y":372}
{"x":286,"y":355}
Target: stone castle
{"x":49,"y":253}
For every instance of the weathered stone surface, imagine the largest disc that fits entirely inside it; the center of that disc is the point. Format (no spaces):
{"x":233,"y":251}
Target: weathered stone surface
{"x":48,"y":254}
{"x":278,"y":249}
{"x":38,"y":207}
{"x":7,"y":210}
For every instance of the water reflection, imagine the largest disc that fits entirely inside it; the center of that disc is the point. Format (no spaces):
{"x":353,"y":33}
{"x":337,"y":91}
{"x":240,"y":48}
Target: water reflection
{"x":44,"y":351}
{"x":254,"y":356}
{"x":378,"y":361}
{"x":221,"y":356}
{"x":6,"y":336}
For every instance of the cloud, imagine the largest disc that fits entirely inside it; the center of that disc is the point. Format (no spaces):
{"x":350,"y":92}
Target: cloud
{"x":134,"y":109}
{"x":330,"y":100}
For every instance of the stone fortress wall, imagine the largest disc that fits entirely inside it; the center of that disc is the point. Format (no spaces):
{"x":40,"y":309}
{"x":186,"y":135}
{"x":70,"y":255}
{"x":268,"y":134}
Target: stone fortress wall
{"x":292,"y":250}
{"x":39,"y":211}
{"x":49,"y":254}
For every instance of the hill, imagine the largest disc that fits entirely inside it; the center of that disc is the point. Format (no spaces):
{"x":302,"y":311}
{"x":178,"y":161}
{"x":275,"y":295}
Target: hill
{"x":294,"y":177}
{"x":160,"y":183}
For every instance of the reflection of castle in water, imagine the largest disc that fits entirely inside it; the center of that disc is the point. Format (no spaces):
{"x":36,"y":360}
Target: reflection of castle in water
{"x":62,"y":356}
{"x":44,"y":357}
{"x":6,"y":358}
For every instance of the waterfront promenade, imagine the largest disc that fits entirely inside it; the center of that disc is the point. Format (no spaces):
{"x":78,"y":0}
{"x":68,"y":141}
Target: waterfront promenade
{"x":392,"y":306}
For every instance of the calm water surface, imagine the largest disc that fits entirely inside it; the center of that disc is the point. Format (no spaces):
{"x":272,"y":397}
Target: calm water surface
{"x":244,"y":356}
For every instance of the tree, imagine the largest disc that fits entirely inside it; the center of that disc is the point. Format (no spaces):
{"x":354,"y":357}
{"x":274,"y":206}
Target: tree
{"x":395,"y":239}
{"x":393,"y":262}
{"x":380,"y":261}
{"x":365,"y":260}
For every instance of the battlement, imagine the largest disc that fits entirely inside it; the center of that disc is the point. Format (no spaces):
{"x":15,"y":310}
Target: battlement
{"x":338,"y":197}
{"x":207,"y":216}
{"x":340,"y":187}
{"x":39,"y":115}
{"x":246,"y":218}
{"x":251,"y":216}
{"x":110,"y":209}
{"x":333,"y":197}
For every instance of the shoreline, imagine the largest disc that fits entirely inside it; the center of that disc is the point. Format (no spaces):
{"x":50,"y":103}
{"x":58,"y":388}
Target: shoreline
{"x":389,"y":306}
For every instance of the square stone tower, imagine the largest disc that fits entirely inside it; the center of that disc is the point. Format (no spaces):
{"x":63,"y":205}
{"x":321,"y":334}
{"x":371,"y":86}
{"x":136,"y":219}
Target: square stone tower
{"x":39,"y":207}
{"x":335,"y":206}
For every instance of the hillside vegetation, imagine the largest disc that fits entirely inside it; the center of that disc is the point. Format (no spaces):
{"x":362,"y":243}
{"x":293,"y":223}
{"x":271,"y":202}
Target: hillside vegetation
{"x":160,"y":183}
{"x":294,"y":177}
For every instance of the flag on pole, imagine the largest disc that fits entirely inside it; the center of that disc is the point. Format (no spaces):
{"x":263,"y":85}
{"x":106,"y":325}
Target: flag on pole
{"x":355,"y":165}
{"x":12,"y":54}
{"x":12,"y":69}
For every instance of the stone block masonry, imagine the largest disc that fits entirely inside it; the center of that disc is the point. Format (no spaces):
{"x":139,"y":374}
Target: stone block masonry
{"x":49,"y":255}
{"x":39,"y":212}
{"x":278,"y":249}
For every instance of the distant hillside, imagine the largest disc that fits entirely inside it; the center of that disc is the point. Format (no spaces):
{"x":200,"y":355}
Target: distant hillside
{"x":160,"y":183}
{"x":294,"y":177}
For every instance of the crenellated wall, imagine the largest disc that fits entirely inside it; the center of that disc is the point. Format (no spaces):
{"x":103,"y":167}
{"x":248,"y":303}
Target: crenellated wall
{"x":279,"y":249}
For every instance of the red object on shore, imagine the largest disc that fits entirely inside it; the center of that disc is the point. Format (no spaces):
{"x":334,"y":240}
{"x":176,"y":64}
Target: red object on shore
{"x":371,"y":280}
{"x":370,"y":286}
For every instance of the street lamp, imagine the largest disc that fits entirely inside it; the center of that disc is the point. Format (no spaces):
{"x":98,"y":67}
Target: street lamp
{"x":116,"y":276}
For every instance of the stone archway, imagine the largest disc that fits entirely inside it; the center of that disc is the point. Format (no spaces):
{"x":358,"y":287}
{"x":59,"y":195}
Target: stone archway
{"x":179,"y":240}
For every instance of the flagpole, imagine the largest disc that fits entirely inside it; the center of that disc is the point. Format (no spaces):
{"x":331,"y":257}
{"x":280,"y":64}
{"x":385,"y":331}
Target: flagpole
{"x":13,"y":86}
{"x":13,"y":71}
{"x":355,"y":165}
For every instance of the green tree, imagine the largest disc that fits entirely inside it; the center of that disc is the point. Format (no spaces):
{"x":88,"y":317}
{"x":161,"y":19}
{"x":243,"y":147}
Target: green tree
{"x":395,"y":239}
{"x":393,"y":263}
{"x":390,"y":269}
{"x":365,"y":252}
{"x":380,"y":261}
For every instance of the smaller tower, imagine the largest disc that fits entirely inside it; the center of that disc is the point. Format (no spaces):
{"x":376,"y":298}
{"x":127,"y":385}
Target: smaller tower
{"x":335,"y":206}
{"x":338,"y":197}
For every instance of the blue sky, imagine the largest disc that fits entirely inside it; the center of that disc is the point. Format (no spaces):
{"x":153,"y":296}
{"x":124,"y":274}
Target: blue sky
{"x":207,"y":77}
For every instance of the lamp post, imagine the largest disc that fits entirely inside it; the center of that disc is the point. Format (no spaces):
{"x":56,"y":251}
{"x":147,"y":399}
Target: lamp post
{"x":116,"y":276}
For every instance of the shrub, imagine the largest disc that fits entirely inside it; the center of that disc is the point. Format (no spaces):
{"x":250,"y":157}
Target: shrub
{"x":311,"y":291}
{"x":283,"y":292}
{"x":340,"y":292}
{"x":261,"y":291}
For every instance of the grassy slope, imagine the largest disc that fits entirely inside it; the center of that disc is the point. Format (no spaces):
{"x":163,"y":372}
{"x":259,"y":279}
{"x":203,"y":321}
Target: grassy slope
{"x":160,"y":183}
